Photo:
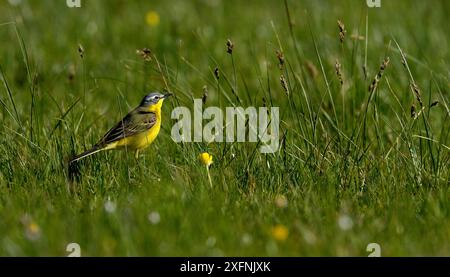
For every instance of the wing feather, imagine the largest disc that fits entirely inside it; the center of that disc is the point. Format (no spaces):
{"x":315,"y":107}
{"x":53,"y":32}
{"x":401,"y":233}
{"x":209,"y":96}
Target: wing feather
{"x":137,"y":121}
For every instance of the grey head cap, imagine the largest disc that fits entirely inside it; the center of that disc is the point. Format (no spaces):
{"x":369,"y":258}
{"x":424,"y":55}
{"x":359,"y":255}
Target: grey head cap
{"x":153,"y":98}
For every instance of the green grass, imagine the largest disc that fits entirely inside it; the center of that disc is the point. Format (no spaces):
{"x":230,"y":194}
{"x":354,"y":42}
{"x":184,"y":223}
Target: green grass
{"x":354,"y":166}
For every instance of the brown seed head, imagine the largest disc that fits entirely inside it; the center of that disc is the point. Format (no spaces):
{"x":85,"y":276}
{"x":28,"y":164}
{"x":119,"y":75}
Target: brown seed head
{"x":413,"y":111}
{"x":216,"y":73}
{"x":342,"y":31}
{"x":338,"y":68}
{"x":417,"y":93}
{"x":377,"y":78}
{"x":145,"y":53}
{"x":284,"y":84}
{"x":280,"y":57}
{"x":230,"y":46}
{"x":81,"y":50}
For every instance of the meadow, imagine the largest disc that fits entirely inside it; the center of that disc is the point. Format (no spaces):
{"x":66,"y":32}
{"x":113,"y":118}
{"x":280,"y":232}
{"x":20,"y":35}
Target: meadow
{"x":364,"y":148}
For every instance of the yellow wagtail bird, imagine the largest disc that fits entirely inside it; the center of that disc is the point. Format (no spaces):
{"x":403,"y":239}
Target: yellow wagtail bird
{"x":137,"y":130}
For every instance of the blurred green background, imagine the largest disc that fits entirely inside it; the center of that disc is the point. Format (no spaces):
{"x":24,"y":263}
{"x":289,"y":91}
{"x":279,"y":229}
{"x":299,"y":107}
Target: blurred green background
{"x":354,"y":167}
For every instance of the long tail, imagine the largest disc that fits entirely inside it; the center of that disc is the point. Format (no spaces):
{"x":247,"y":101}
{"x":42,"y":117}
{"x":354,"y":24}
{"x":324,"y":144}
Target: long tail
{"x":87,"y":153}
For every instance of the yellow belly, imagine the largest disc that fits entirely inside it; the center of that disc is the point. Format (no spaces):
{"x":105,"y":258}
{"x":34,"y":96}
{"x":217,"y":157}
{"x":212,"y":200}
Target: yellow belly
{"x":139,"y":141}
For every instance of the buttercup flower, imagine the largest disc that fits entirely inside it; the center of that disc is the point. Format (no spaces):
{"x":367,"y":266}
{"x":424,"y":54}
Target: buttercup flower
{"x":152,"y":18}
{"x":206,"y":159}
{"x":280,"y":232}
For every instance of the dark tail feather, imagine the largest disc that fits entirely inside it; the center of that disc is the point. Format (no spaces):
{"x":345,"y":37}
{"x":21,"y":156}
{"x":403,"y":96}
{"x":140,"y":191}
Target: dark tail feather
{"x":73,"y":166}
{"x":89,"y":152}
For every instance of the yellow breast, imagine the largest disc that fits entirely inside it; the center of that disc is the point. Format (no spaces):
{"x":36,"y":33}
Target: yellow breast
{"x":141,"y":140}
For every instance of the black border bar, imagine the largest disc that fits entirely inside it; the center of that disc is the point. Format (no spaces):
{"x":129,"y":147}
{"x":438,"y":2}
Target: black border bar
{"x":223,"y":266}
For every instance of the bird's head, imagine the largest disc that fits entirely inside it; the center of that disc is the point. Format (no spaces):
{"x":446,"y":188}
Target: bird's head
{"x":152,"y":102}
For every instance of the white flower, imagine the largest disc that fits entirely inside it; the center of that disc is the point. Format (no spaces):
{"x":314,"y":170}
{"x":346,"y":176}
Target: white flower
{"x":154,"y":218}
{"x":345,"y":222}
{"x":110,"y":206}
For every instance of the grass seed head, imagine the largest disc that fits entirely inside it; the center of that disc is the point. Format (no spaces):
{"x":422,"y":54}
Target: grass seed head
{"x":216,"y":73}
{"x":413,"y":111}
{"x":377,"y":78}
{"x":284,"y":84}
{"x":230,"y":46}
{"x":417,"y":93}
{"x":81,"y":50}
{"x":342,"y":31}
{"x":280,"y":57}
{"x":145,"y":53}
{"x":404,"y":60}
{"x":338,"y":68}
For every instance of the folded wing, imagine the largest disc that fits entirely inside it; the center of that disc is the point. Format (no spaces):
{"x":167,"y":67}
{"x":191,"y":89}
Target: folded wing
{"x":137,"y":121}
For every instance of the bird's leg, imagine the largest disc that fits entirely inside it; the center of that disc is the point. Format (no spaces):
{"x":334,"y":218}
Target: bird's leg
{"x":136,"y":154}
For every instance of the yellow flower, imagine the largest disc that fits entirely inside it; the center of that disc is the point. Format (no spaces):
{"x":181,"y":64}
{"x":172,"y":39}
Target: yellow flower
{"x":206,"y":158}
{"x":33,"y":228}
{"x":32,"y":231}
{"x":152,"y":18}
{"x":280,"y":232}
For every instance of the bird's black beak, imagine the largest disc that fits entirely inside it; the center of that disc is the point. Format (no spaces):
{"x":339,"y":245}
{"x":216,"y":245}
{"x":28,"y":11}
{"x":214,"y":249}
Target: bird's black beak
{"x":167,"y":95}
